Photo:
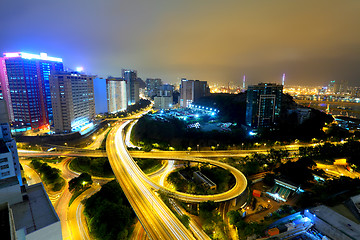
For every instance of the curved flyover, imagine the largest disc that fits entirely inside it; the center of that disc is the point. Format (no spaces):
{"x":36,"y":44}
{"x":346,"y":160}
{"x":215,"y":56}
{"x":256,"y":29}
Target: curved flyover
{"x":237,"y":190}
{"x":157,"y":219}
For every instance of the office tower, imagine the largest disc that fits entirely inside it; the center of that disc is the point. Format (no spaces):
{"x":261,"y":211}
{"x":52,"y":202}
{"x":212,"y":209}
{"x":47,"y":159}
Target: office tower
{"x":192,"y":90}
{"x":132,"y":86}
{"x":338,"y":87}
{"x":152,"y":86}
{"x":26,"y":211}
{"x":166,"y":90}
{"x":72,"y":96}
{"x":331,"y":86}
{"x":164,"y":98}
{"x":343,"y":88}
{"x":116,"y":94}
{"x":163,"y":102}
{"x":263,"y":104}
{"x":24,"y":81}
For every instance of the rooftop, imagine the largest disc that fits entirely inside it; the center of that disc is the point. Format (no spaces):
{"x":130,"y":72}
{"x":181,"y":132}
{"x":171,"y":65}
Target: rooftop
{"x":36,"y":212}
{"x":42,"y":56}
{"x":338,"y":221}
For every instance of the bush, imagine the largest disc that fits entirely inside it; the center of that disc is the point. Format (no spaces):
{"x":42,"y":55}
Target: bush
{"x":109,"y":213}
{"x":99,"y":167}
{"x":50,"y":176}
{"x":77,"y":183}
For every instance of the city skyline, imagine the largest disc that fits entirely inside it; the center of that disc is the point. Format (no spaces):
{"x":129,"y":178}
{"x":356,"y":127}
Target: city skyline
{"x":313,"y":43}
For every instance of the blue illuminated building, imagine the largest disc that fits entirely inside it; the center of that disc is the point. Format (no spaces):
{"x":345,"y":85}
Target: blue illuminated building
{"x":263,"y":104}
{"x":24,"y":80}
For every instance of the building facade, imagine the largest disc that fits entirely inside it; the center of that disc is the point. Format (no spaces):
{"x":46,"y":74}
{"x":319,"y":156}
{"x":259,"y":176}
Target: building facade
{"x":132,"y":86}
{"x":9,"y":159}
{"x":26,"y":211}
{"x":163,"y":102}
{"x":116,"y":95}
{"x":24,"y":80}
{"x":166,"y":90}
{"x":263,"y":104}
{"x":192,"y":90}
{"x":152,"y":86}
{"x":72,"y":96}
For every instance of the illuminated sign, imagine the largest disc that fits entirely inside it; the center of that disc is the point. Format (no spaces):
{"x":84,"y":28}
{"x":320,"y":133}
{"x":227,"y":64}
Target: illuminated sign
{"x":42,"y":56}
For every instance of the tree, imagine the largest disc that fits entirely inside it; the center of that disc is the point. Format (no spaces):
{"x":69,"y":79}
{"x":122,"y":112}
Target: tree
{"x":234,"y":217}
{"x":208,"y":206}
{"x":80,"y":182}
{"x":109,"y":213}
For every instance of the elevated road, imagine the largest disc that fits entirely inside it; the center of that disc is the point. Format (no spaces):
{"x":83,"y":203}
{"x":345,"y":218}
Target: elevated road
{"x":158,"y":221}
{"x":237,"y":190}
{"x":76,"y":152}
{"x":99,"y":153}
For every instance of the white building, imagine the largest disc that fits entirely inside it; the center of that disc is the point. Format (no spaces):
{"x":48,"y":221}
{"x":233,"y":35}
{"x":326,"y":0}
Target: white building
{"x":72,"y":98}
{"x":163,"y":102}
{"x":116,"y":94}
{"x":26,"y":212}
{"x":9,"y":159}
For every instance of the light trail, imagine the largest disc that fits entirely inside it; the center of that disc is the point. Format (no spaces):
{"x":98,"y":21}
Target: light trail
{"x":158,"y":221}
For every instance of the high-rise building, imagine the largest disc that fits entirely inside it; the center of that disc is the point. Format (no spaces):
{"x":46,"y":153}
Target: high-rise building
{"x":72,"y":96}
{"x":192,"y":90}
{"x":165,"y":90}
{"x":152,"y":86}
{"x":338,"y":87}
{"x":263,"y":104}
{"x":116,"y":94}
{"x":26,"y":211}
{"x":24,"y":80}
{"x":163,"y":102}
{"x":132,"y":86}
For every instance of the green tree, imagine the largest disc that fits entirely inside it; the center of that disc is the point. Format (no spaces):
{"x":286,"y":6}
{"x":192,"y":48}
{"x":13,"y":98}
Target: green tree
{"x":234,"y":217}
{"x":80,"y":182}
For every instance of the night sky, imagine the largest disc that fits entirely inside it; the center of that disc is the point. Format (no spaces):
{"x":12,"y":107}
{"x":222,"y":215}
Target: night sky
{"x":312,"y":41}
